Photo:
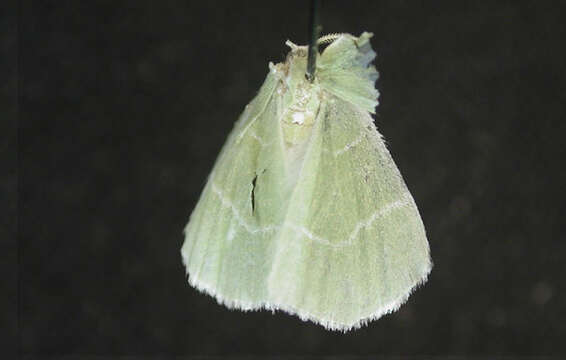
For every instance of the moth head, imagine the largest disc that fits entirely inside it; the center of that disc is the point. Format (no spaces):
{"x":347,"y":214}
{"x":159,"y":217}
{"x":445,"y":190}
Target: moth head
{"x":343,"y":68}
{"x":292,"y":70}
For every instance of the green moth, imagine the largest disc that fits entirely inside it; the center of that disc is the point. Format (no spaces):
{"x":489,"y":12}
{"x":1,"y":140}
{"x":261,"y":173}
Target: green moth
{"x":305,"y":210}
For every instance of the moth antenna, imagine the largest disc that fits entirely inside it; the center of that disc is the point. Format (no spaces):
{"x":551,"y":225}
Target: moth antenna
{"x":328,"y":38}
{"x":314,"y":32}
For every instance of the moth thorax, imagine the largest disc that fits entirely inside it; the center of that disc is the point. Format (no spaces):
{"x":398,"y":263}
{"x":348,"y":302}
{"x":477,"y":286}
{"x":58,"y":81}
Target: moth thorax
{"x":297,"y":127}
{"x":298,"y":118}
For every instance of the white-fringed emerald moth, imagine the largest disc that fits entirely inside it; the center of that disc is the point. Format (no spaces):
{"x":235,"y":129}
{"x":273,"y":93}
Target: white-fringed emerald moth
{"x":305,"y":210}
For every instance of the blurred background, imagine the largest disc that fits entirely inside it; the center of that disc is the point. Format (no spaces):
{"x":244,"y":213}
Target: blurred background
{"x":125,"y":105}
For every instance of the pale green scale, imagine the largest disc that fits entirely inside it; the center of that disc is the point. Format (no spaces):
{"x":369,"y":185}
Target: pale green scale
{"x":305,"y":210}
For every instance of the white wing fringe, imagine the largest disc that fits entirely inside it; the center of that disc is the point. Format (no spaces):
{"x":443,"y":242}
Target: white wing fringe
{"x":328,"y":324}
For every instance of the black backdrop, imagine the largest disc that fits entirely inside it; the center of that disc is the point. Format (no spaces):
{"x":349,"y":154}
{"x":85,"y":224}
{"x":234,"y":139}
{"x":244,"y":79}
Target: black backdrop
{"x":125,"y":105}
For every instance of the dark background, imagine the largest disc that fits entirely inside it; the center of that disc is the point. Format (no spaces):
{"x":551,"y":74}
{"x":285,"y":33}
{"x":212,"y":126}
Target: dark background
{"x":125,"y":105}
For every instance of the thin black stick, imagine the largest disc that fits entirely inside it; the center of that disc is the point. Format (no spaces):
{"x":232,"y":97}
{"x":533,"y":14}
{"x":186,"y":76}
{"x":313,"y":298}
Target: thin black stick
{"x":314,"y":32}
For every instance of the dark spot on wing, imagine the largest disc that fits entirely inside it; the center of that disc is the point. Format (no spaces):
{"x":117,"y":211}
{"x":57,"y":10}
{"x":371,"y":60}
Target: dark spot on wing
{"x":253,"y":193}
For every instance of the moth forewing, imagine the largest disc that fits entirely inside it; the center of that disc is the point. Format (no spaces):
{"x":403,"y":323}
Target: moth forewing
{"x":305,"y":210}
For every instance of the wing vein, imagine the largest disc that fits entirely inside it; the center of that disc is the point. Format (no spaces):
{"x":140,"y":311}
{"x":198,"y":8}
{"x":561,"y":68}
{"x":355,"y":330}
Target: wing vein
{"x":384,"y":211}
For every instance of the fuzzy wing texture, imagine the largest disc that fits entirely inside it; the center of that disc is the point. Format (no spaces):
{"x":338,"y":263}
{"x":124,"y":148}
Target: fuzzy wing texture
{"x":228,"y":238}
{"x":345,"y":70}
{"x":354,"y":245}
{"x":339,"y":241}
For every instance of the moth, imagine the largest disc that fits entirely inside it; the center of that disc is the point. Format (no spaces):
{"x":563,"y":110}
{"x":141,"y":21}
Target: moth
{"x":305,"y":210}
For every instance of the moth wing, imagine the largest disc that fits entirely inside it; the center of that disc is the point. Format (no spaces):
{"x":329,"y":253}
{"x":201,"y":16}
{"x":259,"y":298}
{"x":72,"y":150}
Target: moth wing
{"x":228,"y":237}
{"x":345,"y":70}
{"x":354,"y":245}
